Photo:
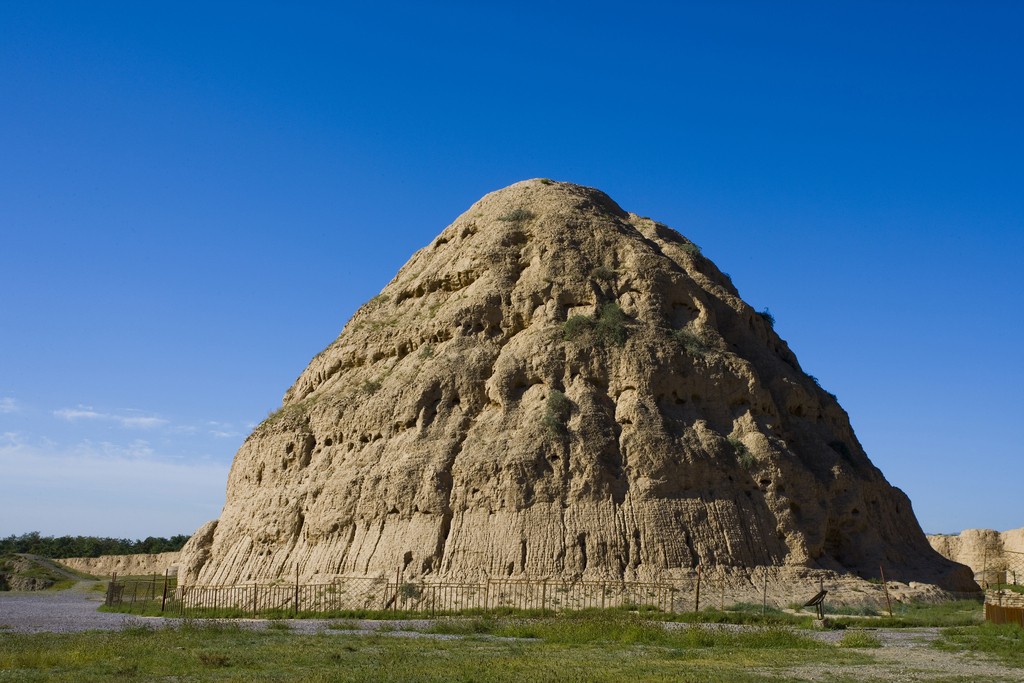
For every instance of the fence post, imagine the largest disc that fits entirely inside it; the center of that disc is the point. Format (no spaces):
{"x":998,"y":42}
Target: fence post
{"x":543,"y":597}
{"x":296,"y":588}
{"x":887,"y":602}
{"x":764,"y":595}
{"x":696,"y":600}
{"x":487,"y":591}
{"x":398,"y":579}
{"x":163,"y":601}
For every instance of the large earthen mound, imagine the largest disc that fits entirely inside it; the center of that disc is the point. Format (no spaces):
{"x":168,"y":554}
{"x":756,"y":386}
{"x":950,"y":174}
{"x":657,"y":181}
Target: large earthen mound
{"x":555,"y":387}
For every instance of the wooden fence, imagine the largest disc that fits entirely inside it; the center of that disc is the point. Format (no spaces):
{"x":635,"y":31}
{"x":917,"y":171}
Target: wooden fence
{"x":1004,"y":615}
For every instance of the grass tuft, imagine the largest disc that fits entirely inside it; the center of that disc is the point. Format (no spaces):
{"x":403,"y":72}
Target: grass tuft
{"x":213,"y":659}
{"x":859,"y":639}
{"x":602,"y":273}
{"x":743,"y":455}
{"x":767,"y":316}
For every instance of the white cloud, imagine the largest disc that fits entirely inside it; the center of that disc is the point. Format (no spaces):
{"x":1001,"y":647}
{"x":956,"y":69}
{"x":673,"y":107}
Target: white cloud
{"x":223,"y":434}
{"x":144,"y":422}
{"x":9,"y":405}
{"x":106,"y":489}
{"x":71,"y":415}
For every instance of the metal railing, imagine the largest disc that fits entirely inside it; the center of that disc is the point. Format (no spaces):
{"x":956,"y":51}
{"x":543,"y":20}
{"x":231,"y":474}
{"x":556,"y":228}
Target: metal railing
{"x":347,"y":596}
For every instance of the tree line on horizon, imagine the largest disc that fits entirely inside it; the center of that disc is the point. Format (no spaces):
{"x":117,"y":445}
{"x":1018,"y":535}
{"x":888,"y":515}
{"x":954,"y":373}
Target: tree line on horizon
{"x":88,"y":546}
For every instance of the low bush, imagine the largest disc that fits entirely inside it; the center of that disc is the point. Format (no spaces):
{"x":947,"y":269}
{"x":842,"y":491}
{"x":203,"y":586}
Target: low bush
{"x":767,"y":316}
{"x":558,"y":409}
{"x":690,"y":248}
{"x":743,"y":455}
{"x":602,"y":273}
{"x":692,"y":342}
{"x":517,"y":216}
{"x":607,"y":328}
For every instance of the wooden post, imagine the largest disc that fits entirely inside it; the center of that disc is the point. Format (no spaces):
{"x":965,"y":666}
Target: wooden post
{"x":398,"y":580}
{"x":764,"y":594}
{"x":255,"y":587}
{"x":487,"y":590}
{"x":543,"y":597}
{"x":722,"y":602}
{"x":296,"y":606}
{"x":887,"y":602}
{"x":110,"y":589}
{"x":984,"y":568}
{"x":163,"y":601}
{"x":696,"y":599}
{"x":603,"y":591}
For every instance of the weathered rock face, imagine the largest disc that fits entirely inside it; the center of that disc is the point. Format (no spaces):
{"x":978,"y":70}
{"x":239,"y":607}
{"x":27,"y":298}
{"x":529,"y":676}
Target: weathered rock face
{"x":555,"y":387}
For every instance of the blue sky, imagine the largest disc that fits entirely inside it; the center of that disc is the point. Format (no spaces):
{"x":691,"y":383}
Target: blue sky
{"x":194,"y":199}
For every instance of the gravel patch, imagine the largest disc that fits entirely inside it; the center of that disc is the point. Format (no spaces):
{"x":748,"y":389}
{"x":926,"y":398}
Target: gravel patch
{"x":75,"y":610}
{"x":58,"y":612}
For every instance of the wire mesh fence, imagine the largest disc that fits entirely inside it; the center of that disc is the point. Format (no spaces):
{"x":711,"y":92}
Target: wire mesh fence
{"x":1001,"y":568}
{"x":378,"y":596}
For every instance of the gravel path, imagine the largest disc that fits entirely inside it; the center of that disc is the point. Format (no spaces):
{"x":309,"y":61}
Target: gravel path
{"x":57,"y":611}
{"x":75,"y":610}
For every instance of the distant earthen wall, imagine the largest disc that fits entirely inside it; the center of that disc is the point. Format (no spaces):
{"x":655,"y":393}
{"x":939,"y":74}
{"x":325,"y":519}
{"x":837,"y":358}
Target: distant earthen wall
{"x":124,"y":565}
{"x":982,"y":549}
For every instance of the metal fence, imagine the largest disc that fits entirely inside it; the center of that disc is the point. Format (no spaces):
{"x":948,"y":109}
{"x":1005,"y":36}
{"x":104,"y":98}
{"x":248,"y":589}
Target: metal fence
{"x":1001,"y":568}
{"x":345,"y":596}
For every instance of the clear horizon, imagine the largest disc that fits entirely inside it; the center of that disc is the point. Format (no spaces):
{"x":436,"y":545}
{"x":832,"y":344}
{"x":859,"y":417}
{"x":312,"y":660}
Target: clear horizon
{"x":195,"y":200}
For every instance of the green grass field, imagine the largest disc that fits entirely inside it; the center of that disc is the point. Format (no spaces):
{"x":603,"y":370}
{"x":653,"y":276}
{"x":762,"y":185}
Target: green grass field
{"x":573,"y":650}
{"x":579,"y":647}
